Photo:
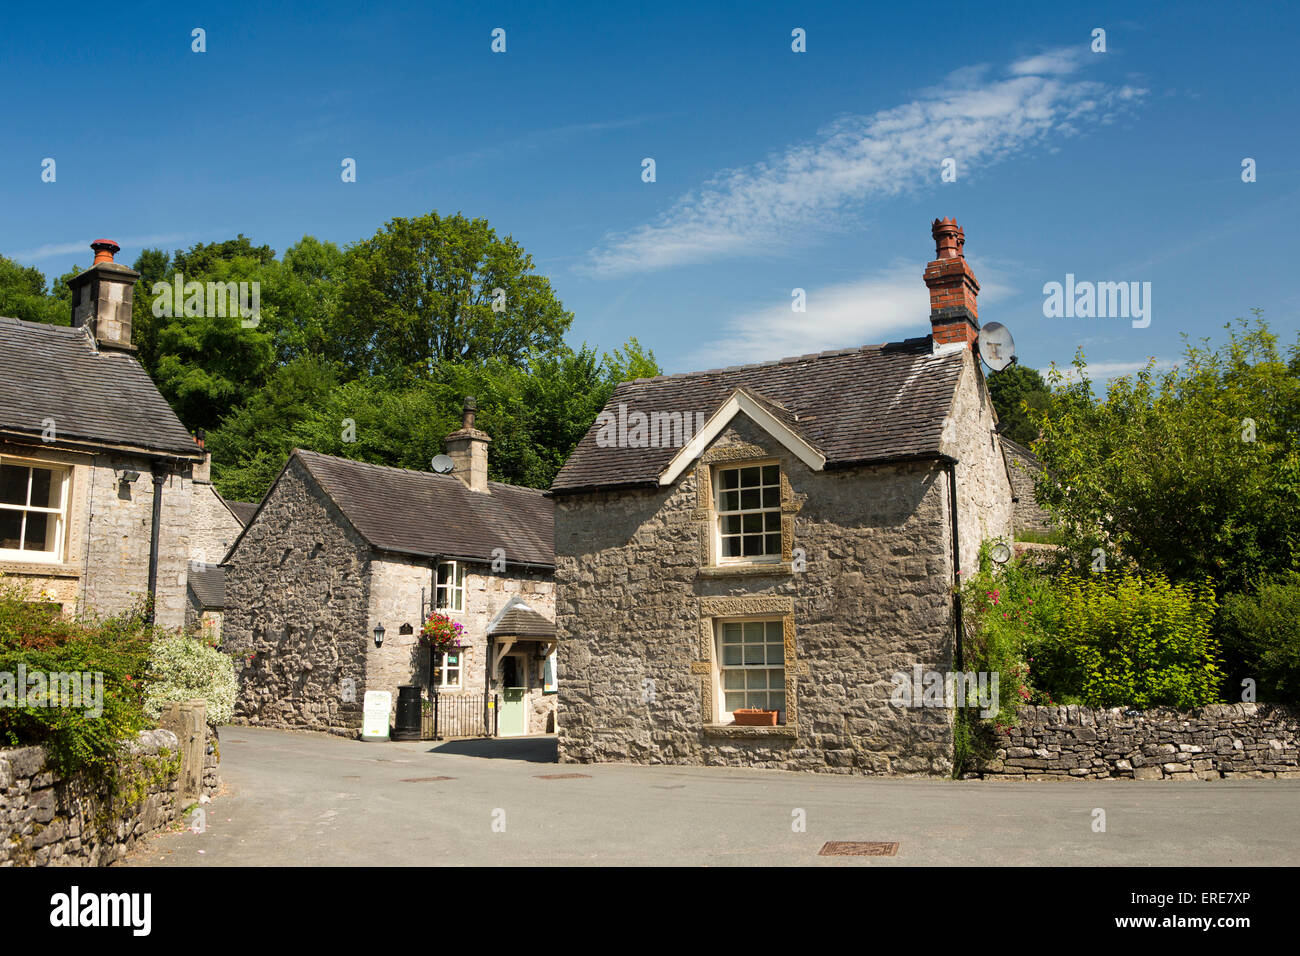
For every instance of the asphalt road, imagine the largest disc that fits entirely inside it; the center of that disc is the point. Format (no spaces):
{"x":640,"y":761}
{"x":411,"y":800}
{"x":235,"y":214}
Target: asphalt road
{"x":303,"y":799}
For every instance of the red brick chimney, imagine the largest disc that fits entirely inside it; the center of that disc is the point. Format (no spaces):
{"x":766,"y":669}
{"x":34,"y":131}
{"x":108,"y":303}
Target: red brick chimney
{"x":954,"y":316}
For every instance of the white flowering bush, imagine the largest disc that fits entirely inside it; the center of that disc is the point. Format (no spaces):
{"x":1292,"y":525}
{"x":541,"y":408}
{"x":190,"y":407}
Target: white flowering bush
{"x":184,"y":668}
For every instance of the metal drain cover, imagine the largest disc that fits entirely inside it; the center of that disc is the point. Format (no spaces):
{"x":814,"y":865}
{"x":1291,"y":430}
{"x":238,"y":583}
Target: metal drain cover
{"x":424,"y":779}
{"x":562,"y":776}
{"x":859,"y":849}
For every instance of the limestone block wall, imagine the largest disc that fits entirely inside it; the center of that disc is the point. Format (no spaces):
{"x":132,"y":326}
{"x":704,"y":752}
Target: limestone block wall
{"x":47,"y":820}
{"x":105,"y":565}
{"x":1222,"y":740}
{"x":1029,"y":514}
{"x":297,"y":601}
{"x":214,"y":528}
{"x":984,"y":494}
{"x":635,"y":602}
{"x":395,"y":583}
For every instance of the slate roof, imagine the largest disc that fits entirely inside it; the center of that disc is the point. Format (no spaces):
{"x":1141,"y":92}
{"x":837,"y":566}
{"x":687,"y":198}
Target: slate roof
{"x":518,"y":619}
{"x":209,"y":587}
{"x":875,"y":403}
{"x":426,"y":514}
{"x":102,"y":397}
{"x":242,"y":510}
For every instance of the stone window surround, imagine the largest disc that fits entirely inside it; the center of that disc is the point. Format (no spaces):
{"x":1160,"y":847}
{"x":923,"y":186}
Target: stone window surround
{"x":705,"y":512}
{"x":713,"y":609}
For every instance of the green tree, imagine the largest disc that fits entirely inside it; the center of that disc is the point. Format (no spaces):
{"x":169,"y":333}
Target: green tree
{"x":432,"y":289}
{"x":1017,"y":390}
{"x":23,"y":296}
{"x":1194,"y":474}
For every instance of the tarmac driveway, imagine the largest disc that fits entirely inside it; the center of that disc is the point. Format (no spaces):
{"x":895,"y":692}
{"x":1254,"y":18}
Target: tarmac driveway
{"x":303,"y":799}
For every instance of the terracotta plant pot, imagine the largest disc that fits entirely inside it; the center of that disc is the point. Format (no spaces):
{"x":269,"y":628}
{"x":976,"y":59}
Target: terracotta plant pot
{"x":753,"y":717}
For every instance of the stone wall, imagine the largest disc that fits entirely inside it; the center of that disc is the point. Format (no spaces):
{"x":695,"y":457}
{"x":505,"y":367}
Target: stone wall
{"x":1024,"y":468}
{"x":105,"y":566}
{"x":984,"y":506}
{"x":636,"y":604}
{"x":296,"y":619}
{"x":395,"y":583}
{"x":214,"y":527}
{"x":1222,"y":740}
{"x":50,"y":821}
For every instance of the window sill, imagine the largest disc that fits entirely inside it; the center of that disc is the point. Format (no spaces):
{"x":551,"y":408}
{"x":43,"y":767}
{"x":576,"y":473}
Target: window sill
{"x":738,"y":730}
{"x":45,"y":566}
{"x":748,"y":570}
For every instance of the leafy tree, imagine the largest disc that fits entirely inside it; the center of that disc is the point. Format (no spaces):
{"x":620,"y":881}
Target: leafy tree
{"x":432,"y":289}
{"x":1015,"y":390}
{"x":1194,"y":474}
{"x":23,"y":296}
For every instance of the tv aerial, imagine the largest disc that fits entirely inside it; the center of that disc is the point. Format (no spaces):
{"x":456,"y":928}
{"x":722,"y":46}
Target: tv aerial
{"x":996,"y":346}
{"x":442,"y":464}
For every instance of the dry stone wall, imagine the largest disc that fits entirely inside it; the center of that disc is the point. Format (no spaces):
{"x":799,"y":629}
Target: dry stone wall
{"x":1222,"y":740}
{"x":46,"y":820}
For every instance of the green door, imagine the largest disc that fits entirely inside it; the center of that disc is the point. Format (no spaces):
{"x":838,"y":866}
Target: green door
{"x":512,"y":697}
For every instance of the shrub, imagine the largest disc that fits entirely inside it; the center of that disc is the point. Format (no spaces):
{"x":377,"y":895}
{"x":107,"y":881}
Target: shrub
{"x":1126,"y":640}
{"x":183,"y":668}
{"x":75,"y":738}
{"x":1262,"y":630}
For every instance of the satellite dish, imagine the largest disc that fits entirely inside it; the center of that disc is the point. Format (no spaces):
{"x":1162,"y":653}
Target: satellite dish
{"x":442,"y":464}
{"x":1000,"y":553}
{"x":997,"y":347}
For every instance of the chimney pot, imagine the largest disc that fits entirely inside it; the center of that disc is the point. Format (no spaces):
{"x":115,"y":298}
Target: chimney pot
{"x":105,"y":250}
{"x":470,"y":409}
{"x":468,"y":448}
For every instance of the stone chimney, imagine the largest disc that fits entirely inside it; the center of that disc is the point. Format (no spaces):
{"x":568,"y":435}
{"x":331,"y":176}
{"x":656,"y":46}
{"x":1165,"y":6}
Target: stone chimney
{"x":954,"y":316}
{"x":102,"y":297}
{"x":468,"y":449}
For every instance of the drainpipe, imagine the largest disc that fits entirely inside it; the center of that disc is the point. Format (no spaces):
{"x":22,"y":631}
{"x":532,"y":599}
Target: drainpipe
{"x":951,"y":464}
{"x":158,"y":478}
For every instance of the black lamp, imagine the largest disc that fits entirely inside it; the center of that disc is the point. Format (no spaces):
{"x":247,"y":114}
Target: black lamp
{"x":379,"y":635}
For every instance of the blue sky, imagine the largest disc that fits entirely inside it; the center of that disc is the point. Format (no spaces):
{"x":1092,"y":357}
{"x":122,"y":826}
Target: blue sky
{"x":775,"y":170}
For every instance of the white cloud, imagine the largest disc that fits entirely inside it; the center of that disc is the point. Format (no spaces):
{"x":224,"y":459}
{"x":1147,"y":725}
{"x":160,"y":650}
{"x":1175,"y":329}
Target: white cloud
{"x":888,"y":306}
{"x":50,"y":250}
{"x":808,"y":188}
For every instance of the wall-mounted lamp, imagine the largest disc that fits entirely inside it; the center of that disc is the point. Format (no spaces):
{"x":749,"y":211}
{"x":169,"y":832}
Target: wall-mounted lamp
{"x":379,"y":635}
{"x":128,"y":477}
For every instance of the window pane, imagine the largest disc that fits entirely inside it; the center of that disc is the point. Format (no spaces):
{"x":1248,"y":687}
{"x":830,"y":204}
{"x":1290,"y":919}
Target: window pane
{"x":733,"y":680}
{"x":754,"y":654}
{"x":11,"y":527}
{"x":460,"y":575}
{"x":13,"y":485}
{"x":731,"y":655}
{"x":753,"y":523}
{"x":772,"y":521}
{"x":730,"y":478}
{"x":731,"y":524}
{"x":773,"y":545}
{"x":730,"y":501}
{"x":37,"y":525}
{"x":771,"y":497}
{"x":753,"y":546}
{"x":42,"y":487}
{"x":731,"y":547}
{"x":731,"y":632}
{"x":750,"y":499}
{"x":749,"y":477}
{"x":771,"y":474}
{"x":753,"y":632}
{"x":444,"y":574}
{"x":775,"y":632}
{"x":776,"y":701}
{"x":734,"y":701}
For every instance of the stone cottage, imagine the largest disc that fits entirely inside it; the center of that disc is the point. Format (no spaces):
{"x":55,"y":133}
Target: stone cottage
{"x":328,"y":585}
{"x":96,"y":471}
{"x":1031,"y":518}
{"x":796,"y":555}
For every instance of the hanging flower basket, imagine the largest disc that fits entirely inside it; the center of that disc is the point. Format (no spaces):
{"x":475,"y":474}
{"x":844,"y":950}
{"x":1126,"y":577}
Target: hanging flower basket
{"x":755,"y":717}
{"x":442,"y":634}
